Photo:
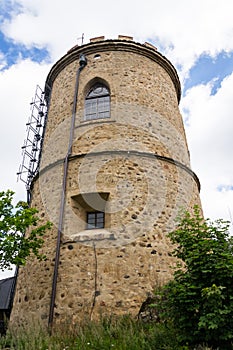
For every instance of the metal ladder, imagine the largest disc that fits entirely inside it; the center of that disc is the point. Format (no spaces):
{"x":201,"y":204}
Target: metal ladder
{"x":31,"y":149}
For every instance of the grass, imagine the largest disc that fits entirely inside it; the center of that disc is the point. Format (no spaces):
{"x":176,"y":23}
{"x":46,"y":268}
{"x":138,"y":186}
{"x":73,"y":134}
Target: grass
{"x":116,"y":334}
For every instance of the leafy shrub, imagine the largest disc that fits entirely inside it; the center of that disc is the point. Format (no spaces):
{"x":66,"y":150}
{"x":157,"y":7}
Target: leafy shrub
{"x":15,"y":246}
{"x":199,"y":301}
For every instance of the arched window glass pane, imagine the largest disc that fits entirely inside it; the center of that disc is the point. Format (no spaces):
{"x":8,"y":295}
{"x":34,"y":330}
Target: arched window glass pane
{"x":97,"y":103}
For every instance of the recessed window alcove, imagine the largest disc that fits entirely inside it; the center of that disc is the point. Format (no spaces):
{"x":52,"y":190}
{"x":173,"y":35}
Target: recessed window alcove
{"x":91,"y":209}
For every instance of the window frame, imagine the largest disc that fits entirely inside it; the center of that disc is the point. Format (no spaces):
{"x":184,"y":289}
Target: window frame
{"x":99,"y":220}
{"x":97,"y":105}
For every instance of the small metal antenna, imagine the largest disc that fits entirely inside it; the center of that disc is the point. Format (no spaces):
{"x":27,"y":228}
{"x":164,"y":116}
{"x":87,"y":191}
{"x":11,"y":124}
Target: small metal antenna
{"x":81,"y":38}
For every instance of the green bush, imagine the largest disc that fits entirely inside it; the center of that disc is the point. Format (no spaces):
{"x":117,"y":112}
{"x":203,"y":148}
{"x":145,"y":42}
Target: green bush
{"x":199,"y":301}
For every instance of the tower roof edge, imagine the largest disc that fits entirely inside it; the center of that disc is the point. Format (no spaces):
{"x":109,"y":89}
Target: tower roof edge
{"x":123,"y":43}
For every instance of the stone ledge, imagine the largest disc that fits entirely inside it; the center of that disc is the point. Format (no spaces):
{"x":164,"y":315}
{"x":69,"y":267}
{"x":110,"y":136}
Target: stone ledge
{"x":90,"y":235}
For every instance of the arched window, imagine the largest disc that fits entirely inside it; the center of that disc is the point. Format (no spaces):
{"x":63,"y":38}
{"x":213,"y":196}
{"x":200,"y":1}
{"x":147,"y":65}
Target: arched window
{"x":97,"y":102}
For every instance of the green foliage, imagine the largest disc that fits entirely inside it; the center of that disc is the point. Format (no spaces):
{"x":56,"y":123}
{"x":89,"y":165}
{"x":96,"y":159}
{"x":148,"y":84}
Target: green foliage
{"x":15,"y":244}
{"x":122,"y":333}
{"x":199,"y":301}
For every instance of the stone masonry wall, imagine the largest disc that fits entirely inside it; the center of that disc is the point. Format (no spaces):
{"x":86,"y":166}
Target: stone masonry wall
{"x":134,"y":165}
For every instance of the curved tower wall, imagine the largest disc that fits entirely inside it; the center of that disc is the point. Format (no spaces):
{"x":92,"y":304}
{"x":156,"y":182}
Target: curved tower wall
{"x":133,"y":166}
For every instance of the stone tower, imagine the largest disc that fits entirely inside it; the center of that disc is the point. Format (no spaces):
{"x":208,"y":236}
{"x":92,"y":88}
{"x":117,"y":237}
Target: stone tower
{"x":114,"y":172}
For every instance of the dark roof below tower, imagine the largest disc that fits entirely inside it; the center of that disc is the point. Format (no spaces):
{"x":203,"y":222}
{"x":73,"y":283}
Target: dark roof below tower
{"x":6,"y":292}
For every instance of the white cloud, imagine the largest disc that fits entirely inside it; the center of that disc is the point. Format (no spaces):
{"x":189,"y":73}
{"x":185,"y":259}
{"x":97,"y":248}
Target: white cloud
{"x":17,"y":86}
{"x":3,"y":61}
{"x":209,"y":134}
{"x":187,"y":29}
{"x":7,"y":273}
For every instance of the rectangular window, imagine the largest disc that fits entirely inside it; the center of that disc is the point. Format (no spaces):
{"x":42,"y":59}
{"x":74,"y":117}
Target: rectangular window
{"x":97,"y":108}
{"x":95,"y":220}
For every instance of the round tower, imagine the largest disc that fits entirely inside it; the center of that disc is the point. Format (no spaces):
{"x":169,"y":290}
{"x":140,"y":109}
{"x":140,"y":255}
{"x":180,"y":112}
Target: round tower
{"x":114,"y":173}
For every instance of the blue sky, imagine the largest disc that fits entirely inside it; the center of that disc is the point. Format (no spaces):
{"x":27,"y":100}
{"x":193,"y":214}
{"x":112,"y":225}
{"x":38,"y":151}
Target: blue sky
{"x":13,"y":52}
{"x":35,"y":34}
{"x":208,"y":69}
